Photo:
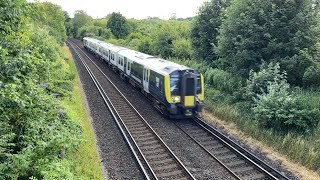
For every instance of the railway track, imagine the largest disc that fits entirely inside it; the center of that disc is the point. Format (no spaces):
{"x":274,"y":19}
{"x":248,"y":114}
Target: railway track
{"x":154,"y":157}
{"x":238,"y":161}
{"x":158,"y":163}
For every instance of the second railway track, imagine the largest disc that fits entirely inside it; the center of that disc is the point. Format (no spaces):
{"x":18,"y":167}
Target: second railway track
{"x":237,"y":160}
{"x":148,"y":147}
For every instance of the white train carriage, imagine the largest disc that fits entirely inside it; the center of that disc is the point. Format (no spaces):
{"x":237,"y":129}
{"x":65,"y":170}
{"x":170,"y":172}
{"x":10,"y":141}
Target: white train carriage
{"x":92,"y":45}
{"x":104,"y":51}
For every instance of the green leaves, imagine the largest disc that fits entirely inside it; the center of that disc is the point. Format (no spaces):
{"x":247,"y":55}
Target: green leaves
{"x":118,"y":25}
{"x":205,"y":27}
{"x":32,"y":130}
{"x":282,"y":32}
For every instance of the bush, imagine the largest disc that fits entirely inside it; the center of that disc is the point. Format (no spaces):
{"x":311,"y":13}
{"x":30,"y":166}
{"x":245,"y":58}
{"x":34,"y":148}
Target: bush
{"x":222,"y":80}
{"x":182,"y":49}
{"x":258,"y":81}
{"x":280,"y":110}
{"x":311,"y":77}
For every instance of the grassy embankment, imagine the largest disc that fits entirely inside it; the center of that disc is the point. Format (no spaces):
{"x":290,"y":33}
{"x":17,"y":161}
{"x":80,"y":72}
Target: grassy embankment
{"x":86,"y":158}
{"x":303,"y":148}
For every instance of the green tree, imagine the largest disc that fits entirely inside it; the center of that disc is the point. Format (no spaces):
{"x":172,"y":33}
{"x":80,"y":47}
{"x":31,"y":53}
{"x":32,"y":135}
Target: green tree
{"x":80,"y":19}
{"x":256,"y":32}
{"x":54,"y":18}
{"x":33,"y":126}
{"x":205,"y":27}
{"x":118,"y":25}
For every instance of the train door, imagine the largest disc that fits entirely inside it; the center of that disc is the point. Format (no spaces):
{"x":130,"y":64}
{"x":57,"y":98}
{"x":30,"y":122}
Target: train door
{"x":128,"y":67}
{"x":109,"y":55}
{"x":146,"y":80}
{"x":125,"y":64}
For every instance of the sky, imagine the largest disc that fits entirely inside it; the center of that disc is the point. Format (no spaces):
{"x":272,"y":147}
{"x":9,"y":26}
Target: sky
{"x":138,"y":9}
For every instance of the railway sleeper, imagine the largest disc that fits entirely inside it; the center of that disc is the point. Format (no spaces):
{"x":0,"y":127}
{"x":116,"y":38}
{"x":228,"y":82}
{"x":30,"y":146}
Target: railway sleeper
{"x":159,"y":157}
{"x":254,"y":176}
{"x":235,"y":163}
{"x":140,"y":128}
{"x":154,"y":151}
{"x":148,"y":138}
{"x":227,"y":157}
{"x":170,"y":175}
{"x":148,"y":143}
{"x":222,"y":151}
{"x":151,"y":148}
{"x":242,"y":169}
{"x":162,"y":163}
{"x":167,"y":168}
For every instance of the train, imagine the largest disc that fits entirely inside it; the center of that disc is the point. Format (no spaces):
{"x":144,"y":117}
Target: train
{"x":175,"y":90}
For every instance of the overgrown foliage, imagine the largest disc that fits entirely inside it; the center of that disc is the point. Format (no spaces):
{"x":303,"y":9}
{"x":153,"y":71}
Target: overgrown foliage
{"x":36,"y":134}
{"x":205,"y":28}
{"x":277,"y":108}
{"x":80,"y":19}
{"x":258,"y":81}
{"x":118,"y":25}
{"x":255,"y":32}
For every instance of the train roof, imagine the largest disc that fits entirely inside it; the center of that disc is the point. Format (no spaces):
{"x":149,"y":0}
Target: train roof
{"x":156,"y":64}
{"x":163,"y":66}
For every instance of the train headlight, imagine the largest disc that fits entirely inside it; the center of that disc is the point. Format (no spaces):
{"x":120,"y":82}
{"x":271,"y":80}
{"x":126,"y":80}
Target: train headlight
{"x":176,"y":99}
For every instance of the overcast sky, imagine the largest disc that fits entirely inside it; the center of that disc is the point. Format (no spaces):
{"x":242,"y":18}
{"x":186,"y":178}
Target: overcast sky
{"x":138,"y":9}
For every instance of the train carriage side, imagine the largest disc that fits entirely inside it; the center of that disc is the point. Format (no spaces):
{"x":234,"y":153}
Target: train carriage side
{"x":104,"y":50}
{"x":113,"y":53}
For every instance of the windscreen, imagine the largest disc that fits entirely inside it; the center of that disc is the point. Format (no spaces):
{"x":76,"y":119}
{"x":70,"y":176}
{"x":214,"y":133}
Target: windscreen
{"x":175,"y":84}
{"x":190,"y":84}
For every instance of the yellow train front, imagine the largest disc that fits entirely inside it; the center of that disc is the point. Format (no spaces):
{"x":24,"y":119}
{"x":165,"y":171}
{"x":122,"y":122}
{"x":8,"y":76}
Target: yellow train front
{"x":184,"y":93}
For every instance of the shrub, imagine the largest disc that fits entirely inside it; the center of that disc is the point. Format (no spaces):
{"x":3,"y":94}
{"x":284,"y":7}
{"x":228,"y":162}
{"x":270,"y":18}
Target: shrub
{"x":222,"y":80}
{"x":182,"y":49}
{"x":280,"y":110}
{"x":258,"y":81}
{"x":311,"y":77}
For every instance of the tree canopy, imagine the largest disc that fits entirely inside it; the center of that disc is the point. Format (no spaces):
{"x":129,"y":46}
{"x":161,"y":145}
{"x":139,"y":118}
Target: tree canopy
{"x":80,"y":19}
{"x":257,"y":32}
{"x":118,"y":25}
{"x":205,"y":28}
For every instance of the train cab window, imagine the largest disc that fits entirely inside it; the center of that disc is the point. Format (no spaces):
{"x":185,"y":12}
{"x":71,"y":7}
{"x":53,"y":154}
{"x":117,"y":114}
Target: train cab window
{"x":175,"y":84}
{"x":190,"y":84}
{"x":198,"y":88}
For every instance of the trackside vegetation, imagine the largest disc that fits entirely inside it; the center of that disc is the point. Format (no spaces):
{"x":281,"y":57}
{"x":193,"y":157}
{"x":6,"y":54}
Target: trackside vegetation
{"x":38,"y":133}
{"x":260,"y":59}
{"x":85,"y":158}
